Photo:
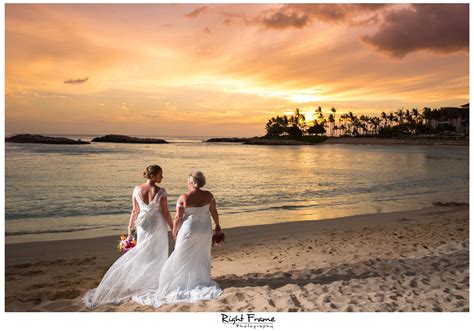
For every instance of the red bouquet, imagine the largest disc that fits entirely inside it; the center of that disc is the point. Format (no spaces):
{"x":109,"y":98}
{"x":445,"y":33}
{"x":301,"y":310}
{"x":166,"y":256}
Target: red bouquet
{"x":218,"y":238}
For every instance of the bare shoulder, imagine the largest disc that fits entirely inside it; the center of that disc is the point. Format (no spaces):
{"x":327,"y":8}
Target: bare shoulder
{"x":136,"y":189}
{"x":209,"y":195}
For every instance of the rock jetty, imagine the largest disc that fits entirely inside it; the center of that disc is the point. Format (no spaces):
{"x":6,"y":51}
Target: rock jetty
{"x":115,"y":138}
{"x":227,"y":140}
{"x":38,"y":139}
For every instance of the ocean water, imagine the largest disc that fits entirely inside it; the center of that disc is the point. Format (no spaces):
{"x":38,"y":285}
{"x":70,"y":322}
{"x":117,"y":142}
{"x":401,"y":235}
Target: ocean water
{"x":66,"y":192}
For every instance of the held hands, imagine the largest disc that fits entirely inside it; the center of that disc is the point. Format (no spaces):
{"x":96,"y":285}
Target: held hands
{"x":175,"y":232}
{"x":176,"y":227}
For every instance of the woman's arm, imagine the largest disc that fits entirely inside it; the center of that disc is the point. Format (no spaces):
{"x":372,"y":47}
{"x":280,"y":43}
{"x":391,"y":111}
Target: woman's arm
{"x":178,"y":217}
{"x":166,"y":211}
{"x":214,"y":213}
{"x":133,"y":215}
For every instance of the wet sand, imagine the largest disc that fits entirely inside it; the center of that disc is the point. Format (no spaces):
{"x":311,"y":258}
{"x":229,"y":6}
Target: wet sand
{"x":402,"y":261}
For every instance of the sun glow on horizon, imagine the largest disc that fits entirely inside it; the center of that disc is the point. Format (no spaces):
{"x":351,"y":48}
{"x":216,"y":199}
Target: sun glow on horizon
{"x":222,"y":72}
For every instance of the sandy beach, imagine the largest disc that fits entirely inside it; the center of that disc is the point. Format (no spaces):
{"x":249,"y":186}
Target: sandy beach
{"x":402,"y":261}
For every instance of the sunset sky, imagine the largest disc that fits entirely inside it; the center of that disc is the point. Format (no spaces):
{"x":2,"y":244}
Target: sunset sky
{"x":224,"y":69}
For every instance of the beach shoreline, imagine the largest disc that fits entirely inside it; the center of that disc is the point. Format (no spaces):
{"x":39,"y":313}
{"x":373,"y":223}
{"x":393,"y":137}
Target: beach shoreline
{"x":359,"y":263}
{"x":397,"y":141}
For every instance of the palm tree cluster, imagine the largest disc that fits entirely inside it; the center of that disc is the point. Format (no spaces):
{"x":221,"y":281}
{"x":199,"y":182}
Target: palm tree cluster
{"x":295,"y":126}
{"x":401,"y":122}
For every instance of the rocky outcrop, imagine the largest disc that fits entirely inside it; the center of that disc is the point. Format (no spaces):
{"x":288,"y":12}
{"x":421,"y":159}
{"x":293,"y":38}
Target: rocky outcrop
{"x":227,"y":140}
{"x":37,"y":139}
{"x":115,"y":138}
{"x":261,"y":141}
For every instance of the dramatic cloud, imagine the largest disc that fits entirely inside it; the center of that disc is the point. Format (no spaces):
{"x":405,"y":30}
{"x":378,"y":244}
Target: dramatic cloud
{"x":76,"y":81}
{"x":436,"y":27}
{"x":229,"y":83}
{"x":300,"y":15}
{"x":197,"y":12}
{"x":283,"y":20}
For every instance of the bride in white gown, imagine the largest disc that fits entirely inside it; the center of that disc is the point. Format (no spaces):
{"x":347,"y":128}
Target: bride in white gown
{"x":186,"y":275}
{"x":138,"y":270}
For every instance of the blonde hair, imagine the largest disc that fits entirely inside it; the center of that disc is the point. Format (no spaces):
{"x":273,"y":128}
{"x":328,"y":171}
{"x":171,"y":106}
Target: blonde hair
{"x":151,"y":170}
{"x":197,"y":179}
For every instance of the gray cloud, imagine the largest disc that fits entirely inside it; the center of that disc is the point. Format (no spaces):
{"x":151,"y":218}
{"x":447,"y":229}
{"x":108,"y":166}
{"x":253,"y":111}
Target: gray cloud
{"x":76,"y":81}
{"x":283,"y":20}
{"x":197,"y":12}
{"x":436,"y":27}
{"x":300,"y":15}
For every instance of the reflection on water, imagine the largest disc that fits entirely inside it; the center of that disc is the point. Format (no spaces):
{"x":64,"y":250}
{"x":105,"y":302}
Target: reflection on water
{"x":87,"y":188}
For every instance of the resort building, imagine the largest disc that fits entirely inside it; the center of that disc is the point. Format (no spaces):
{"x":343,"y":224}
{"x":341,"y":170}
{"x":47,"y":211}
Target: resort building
{"x":451,"y":119}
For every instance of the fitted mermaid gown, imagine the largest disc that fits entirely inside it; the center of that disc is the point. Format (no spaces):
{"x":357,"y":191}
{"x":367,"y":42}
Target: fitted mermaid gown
{"x":138,"y":270}
{"x":186,"y":275}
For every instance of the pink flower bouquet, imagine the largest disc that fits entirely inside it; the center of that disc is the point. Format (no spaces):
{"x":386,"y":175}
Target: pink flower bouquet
{"x":125,"y":244}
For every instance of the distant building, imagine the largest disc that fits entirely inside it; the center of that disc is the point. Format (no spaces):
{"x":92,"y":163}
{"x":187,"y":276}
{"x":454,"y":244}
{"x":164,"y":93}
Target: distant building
{"x":451,"y":119}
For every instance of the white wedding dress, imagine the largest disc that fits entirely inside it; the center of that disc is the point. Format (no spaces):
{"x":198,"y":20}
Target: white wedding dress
{"x":186,"y":275}
{"x":138,"y":270}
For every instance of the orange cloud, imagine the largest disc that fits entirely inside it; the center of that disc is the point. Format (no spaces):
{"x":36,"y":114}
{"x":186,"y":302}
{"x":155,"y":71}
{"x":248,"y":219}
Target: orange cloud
{"x":177,"y":76}
{"x":301,"y":15}
{"x":197,"y":12}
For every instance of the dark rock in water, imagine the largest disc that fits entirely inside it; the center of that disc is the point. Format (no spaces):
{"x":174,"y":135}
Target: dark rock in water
{"x":260,"y":141}
{"x":268,"y":141}
{"x":37,"y":139}
{"x":115,"y":138}
{"x":226,"y":140}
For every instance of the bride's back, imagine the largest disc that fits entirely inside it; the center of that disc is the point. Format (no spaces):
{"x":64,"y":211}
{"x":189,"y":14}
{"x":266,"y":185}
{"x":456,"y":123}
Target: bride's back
{"x":197,"y":198}
{"x":147,"y":192}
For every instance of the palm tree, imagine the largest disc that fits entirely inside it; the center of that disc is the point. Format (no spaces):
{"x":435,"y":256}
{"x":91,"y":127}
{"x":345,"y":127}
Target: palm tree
{"x":300,"y":119}
{"x":319,"y":115}
{"x":331,"y":122}
{"x":355,"y":124}
{"x":400,"y":114}
{"x":375,"y":121}
{"x":276,"y":126}
{"x":343,"y":122}
{"x":384,"y":118}
{"x":296,"y":125}
{"x":391,"y":118}
{"x":416,"y":115}
{"x":332,"y":119}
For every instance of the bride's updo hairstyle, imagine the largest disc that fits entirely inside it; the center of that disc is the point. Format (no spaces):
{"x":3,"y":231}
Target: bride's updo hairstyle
{"x":151,"y":170}
{"x":197,"y":179}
